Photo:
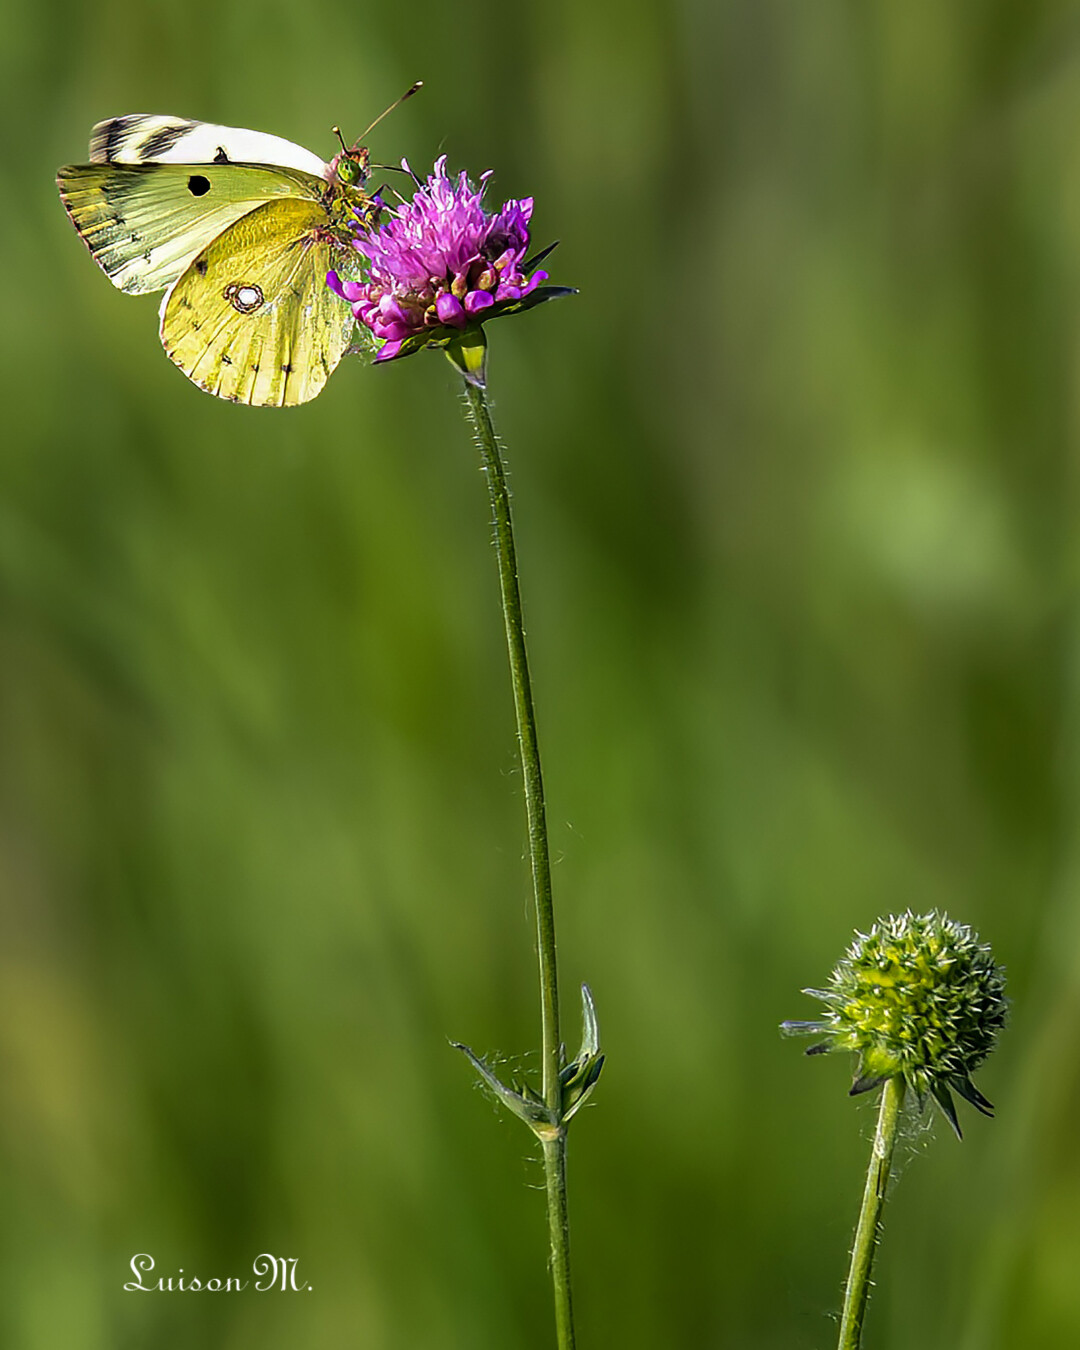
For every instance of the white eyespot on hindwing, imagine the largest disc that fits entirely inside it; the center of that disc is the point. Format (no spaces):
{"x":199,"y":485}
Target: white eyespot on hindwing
{"x":244,"y":297}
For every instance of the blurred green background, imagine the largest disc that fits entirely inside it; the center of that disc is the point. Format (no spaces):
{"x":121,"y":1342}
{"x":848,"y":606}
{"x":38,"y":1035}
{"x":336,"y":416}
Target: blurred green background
{"x":798,"y":509}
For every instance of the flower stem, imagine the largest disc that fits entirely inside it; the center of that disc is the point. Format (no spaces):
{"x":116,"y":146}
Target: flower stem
{"x":868,"y":1229}
{"x":553,"y":1138}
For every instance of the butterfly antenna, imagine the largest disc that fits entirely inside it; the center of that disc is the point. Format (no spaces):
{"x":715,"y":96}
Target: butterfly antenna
{"x":386,"y":112}
{"x":399,"y":168}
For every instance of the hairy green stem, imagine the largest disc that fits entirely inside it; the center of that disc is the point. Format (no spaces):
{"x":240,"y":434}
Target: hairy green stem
{"x":559,"y":1232}
{"x":868,"y":1229}
{"x":554,"y":1140}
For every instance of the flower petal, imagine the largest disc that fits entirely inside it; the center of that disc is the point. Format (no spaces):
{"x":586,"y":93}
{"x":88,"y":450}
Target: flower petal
{"x":393,"y":331}
{"x":450,"y":311}
{"x":477,"y":301}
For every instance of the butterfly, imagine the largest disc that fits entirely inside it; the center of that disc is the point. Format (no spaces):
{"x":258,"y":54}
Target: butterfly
{"x":239,"y":229}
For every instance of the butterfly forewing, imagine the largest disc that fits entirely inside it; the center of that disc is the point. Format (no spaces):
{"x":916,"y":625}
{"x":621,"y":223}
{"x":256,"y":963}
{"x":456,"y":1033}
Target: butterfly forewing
{"x":252,"y":318}
{"x":144,"y":223}
{"x":152,"y":138}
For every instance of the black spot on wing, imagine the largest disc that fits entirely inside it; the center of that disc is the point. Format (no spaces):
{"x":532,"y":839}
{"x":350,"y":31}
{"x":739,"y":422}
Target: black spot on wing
{"x":163,"y":140}
{"x":198,"y":185}
{"x":113,"y":133}
{"x":107,"y":137}
{"x":201,"y":266}
{"x":221,"y":157}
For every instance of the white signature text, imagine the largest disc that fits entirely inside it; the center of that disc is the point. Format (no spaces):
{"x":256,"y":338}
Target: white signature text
{"x":269,"y":1271}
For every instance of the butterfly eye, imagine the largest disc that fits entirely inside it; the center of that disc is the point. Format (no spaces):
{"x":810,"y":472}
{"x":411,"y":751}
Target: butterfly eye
{"x":349,"y":171}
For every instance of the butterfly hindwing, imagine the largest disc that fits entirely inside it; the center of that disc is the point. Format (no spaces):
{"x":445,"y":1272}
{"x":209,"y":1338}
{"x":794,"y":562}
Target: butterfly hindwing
{"x":144,"y":223}
{"x":252,"y":319}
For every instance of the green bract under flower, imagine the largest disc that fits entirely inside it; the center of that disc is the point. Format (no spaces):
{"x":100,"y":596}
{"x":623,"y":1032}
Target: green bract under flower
{"x":918,"y":997}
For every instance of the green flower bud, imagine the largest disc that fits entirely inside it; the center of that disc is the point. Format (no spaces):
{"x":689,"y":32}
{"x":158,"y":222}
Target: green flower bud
{"x":918,"y":997}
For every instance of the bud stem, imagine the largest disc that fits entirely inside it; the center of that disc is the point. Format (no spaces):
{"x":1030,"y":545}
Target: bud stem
{"x":528,"y":747}
{"x":868,"y":1230}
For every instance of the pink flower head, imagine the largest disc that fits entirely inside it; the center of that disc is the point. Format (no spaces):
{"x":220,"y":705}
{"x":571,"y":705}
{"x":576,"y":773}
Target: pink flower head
{"x":441,"y":264}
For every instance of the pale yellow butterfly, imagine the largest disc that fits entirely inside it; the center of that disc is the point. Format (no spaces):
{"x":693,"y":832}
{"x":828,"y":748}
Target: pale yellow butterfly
{"x":239,"y":229}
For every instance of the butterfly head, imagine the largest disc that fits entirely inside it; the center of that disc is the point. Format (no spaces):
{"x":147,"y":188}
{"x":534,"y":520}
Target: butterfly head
{"x":351,"y":164}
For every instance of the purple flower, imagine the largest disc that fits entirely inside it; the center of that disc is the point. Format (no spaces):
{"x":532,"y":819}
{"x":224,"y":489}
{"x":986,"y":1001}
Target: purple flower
{"x":440,"y":265}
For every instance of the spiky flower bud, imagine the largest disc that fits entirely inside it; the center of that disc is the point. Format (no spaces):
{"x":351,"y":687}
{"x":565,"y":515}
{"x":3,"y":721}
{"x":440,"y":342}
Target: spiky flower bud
{"x":918,"y":997}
